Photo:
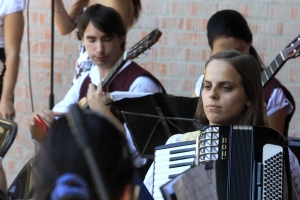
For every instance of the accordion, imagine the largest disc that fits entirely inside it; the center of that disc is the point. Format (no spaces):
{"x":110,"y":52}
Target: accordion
{"x":248,"y":162}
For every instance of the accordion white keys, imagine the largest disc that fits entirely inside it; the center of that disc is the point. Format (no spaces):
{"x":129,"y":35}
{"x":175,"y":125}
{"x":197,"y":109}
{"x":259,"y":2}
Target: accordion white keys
{"x":171,"y":160}
{"x":249,"y":161}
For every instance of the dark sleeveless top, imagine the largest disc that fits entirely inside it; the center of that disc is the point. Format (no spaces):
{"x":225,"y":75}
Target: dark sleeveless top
{"x":274,"y":83}
{"x":122,"y":81}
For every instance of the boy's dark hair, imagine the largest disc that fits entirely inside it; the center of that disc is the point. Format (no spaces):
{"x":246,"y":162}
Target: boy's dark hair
{"x":105,"y":19}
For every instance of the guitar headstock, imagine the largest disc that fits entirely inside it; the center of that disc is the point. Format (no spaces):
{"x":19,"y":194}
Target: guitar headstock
{"x":143,"y":45}
{"x":292,"y":50}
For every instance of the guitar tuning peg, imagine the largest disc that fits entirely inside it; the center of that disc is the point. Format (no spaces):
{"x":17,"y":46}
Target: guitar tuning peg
{"x":145,"y":54}
{"x":138,"y":58}
{"x":150,"y":50}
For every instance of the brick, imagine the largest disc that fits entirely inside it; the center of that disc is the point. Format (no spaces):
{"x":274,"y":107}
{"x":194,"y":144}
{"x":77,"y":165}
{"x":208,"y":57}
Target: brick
{"x":170,"y":53}
{"x":34,"y":47}
{"x":150,"y":7}
{"x":291,"y":28}
{"x":194,"y":8}
{"x":196,"y":54}
{"x":18,"y":91}
{"x":294,"y":12}
{"x":258,"y":11}
{"x":172,"y":23}
{"x":279,"y":28}
{"x":48,"y":33}
{"x":41,"y":18}
{"x":196,"y":24}
{"x":32,"y":17}
{"x":45,"y":47}
{"x":293,"y":75}
{"x":57,"y":78}
{"x":27,"y":92}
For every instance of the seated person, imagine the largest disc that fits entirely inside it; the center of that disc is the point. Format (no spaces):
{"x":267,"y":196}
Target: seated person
{"x":103,"y":34}
{"x":61,"y":171}
{"x":231,"y":94}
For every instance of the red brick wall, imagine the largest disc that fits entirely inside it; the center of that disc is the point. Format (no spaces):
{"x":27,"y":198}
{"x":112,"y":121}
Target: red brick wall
{"x":177,"y":60}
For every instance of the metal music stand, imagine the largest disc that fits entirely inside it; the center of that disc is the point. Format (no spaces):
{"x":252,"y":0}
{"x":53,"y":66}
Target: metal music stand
{"x":152,"y":119}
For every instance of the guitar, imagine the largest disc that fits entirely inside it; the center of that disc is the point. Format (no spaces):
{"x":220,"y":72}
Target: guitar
{"x":139,"y":48}
{"x":292,"y":50}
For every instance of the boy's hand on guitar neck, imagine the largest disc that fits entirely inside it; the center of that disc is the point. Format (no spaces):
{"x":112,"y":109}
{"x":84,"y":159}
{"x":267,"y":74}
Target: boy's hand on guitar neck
{"x":100,"y":101}
{"x":40,"y":121}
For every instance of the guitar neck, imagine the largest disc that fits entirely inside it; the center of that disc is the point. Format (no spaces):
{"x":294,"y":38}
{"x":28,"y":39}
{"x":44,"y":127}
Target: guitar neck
{"x":272,"y":69}
{"x":113,"y":72}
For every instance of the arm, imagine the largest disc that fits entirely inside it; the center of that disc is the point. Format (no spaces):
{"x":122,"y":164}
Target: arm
{"x":62,"y":20}
{"x":59,"y":109}
{"x":13,"y":32}
{"x":99,"y":102}
{"x":278,"y":108}
{"x":36,"y":132}
{"x":277,"y":120}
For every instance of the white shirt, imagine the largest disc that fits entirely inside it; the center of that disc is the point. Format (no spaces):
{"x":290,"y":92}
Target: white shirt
{"x":8,"y":7}
{"x":276,"y":101}
{"x":140,"y":84}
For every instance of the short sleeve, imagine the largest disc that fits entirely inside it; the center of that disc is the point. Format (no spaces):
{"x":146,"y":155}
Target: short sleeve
{"x":11,"y":6}
{"x":145,"y":84}
{"x":278,"y":101}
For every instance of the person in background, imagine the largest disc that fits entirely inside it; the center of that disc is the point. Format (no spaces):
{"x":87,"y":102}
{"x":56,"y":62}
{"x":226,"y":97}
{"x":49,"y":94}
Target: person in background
{"x":228,"y":30}
{"x":61,"y":170}
{"x":67,"y":22}
{"x":11,"y":33}
{"x":231,"y":94}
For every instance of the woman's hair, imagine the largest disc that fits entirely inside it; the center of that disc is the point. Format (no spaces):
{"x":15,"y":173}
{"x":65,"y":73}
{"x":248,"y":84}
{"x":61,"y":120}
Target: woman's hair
{"x":249,"y":71}
{"x":105,"y":19}
{"x":60,"y":155}
{"x":230,"y":23}
{"x":77,"y":9}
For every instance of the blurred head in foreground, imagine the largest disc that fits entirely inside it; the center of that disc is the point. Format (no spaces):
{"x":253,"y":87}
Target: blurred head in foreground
{"x":61,"y":171}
